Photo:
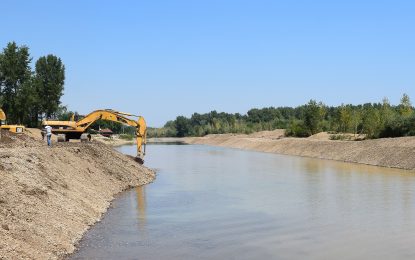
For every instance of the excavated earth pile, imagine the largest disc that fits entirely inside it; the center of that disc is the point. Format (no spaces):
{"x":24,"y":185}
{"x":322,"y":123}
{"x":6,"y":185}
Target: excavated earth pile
{"x":50,"y":196}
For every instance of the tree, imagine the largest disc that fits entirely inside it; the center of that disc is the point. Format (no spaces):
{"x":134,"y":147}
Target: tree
{"x":314,"y":114}
{"x":387,"y":114}
{"x":50,"y":79}
{"x":26,"y":100}
{"x":297,"y":128}
{"x":182,"y":125}
{"x":345,"y":118}
{"x":356,"y":119}
{"x":14,"y":74}
{"x":371,"y":122}
{"x":405,"y":108}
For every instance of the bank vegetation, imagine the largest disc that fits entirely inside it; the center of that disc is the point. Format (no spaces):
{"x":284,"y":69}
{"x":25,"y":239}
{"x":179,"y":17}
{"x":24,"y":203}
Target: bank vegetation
{"x":373,"y":120}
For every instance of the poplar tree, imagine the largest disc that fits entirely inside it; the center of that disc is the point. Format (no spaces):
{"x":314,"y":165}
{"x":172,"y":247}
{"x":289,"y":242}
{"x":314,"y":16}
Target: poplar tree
{"x":15,"y":75}
{"x":405,"y":108}
{"x":49,"y":80}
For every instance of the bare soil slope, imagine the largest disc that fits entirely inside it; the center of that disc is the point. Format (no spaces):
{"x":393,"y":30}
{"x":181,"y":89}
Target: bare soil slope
{"x":113,"y":141}
{"x":387,"y":152}
{"x":50,"y":196}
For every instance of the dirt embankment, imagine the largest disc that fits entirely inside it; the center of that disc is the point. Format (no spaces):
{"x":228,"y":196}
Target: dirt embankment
{"x":113,"y":141}
{"x":387,"y":152}
{"x":50,"y":196}
{"x":165,"y":140}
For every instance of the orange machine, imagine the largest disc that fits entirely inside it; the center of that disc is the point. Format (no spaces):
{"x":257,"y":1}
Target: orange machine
{"x":67,"y":130}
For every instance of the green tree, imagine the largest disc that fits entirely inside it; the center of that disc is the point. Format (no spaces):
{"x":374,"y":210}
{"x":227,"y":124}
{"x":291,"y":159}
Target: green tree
{"x":314,"y":114}
{"x":15,"y":73}
{"x":405,"y":108}
{"x":182,"y":125}
{"x":387,"y":113}
{"x":50,"y":79}
{"x":297,"y":128}
{"x":371,"y":122}
{"x":356,"y":119}
{"x":345,"y":118}
{"x":26,"y":100}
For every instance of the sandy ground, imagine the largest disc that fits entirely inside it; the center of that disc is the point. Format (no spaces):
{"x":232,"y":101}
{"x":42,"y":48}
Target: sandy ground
{"x":161,"y":140}
{"x":50,"y":196}
{"x":386,"y":152}
{"x":114,"y":141}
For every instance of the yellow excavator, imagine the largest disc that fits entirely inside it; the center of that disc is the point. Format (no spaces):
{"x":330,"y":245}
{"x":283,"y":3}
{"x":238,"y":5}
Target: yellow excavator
{"x":12,"y":128}
{"x":72,"y":129}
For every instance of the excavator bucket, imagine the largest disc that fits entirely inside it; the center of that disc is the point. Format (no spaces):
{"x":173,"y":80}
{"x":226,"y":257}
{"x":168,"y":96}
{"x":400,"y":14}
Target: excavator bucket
{"x":139,"y":160}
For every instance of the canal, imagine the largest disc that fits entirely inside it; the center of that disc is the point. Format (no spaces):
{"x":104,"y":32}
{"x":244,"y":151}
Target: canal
{"x":218,"y":203}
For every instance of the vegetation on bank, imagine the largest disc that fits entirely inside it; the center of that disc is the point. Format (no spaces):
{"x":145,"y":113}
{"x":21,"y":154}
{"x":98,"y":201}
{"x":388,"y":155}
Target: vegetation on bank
{"x":375,"y":120}
{"x":27,"y":96}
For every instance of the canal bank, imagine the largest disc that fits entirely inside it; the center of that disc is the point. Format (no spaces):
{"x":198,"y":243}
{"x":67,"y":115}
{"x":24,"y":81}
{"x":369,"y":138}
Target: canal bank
{"x":49,"y":197}
{"x":386,"y":152}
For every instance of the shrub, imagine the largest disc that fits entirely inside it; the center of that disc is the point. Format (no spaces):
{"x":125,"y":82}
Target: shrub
{"x":297,"y":128}
{"x":128,"y":137}
{"x":339,"y":137}
{"x":399,"y":127}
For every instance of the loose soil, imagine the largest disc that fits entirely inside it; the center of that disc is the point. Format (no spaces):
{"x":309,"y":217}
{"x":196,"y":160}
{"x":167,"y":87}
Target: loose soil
{"x":49,"y":197}
{"x":113,"y":141}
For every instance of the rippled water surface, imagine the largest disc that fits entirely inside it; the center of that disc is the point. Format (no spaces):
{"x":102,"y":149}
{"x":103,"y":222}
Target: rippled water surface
{"x":218,"y":203}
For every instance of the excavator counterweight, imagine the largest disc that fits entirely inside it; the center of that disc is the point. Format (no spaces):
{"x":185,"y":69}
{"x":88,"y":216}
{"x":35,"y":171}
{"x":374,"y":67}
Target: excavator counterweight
{"x":67,"y":130}
{"x":18,"y":129}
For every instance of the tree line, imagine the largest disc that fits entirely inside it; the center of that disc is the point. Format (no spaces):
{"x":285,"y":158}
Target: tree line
{"x":375,"y":120}
{"x":27,"y":96}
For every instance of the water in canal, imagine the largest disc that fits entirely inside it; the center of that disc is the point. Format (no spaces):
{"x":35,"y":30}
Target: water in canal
{"x":219,"y":203}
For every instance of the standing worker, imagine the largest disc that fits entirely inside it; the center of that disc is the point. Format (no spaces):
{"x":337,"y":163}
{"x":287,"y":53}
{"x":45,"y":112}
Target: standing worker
{"x":48,"y":130}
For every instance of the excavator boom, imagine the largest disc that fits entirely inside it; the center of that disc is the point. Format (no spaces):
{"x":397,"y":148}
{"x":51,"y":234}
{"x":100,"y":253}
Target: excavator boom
{"x":76,"y":130}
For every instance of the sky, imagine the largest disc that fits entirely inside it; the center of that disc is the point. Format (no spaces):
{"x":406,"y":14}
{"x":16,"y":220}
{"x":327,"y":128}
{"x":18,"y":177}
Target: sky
{"x":161,"y":59}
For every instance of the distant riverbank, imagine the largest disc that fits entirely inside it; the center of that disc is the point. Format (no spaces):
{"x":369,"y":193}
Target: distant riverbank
{"x":167,"y":140}
{"x":386,"y":152}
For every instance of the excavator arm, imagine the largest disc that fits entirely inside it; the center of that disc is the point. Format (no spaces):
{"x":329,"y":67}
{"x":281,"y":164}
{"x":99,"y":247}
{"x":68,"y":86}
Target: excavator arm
{"x":109,"y":115}
{"x":68,"y":127}
{"x":119,"y":117}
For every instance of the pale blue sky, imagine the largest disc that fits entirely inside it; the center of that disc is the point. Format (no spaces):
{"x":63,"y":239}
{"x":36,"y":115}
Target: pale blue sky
{"x":167,"y":58}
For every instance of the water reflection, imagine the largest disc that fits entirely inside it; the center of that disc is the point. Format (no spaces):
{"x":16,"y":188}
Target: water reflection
{"x":387,"y":194}
{"x":141,"y":206}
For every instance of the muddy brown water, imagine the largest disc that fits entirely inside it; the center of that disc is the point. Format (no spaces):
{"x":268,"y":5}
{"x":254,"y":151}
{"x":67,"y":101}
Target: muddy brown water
{"x":218,"y":203}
